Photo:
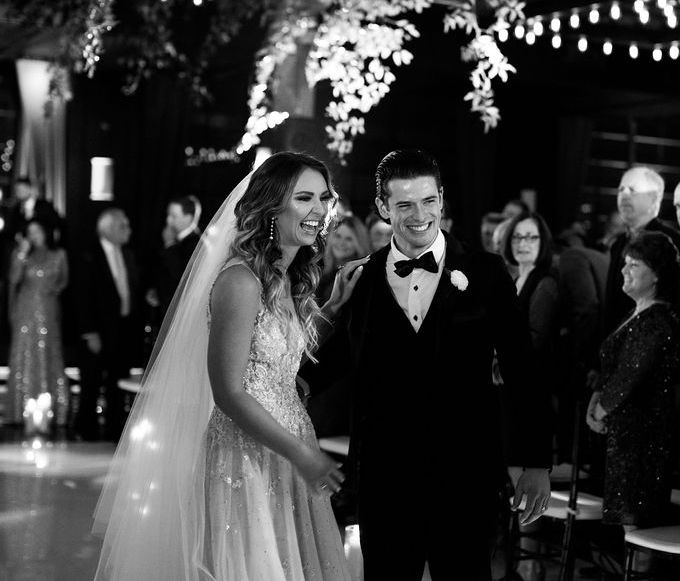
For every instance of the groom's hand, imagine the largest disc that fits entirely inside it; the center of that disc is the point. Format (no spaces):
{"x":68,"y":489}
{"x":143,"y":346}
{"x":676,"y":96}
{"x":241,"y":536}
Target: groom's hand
{"x":533,"y":486}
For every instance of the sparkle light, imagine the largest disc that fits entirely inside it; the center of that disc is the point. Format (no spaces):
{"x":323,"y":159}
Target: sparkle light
{"x":555,"y":24}
{"x":519,"y":31}
{"x":538,"y":28}
{"x":556,"y":41}
{"x":668,"y":11}
{"x":644,"y":16}
{"x":530,"y":38}
{"x":583,"y":44}
{"x":615,"y":11}
{"x":672,"y":21}
{"x":574,"y":20}
{"x":503,"y":35}
{"x":607,"y":47}
{"x":661,"y":4}
{"x":633,"y":50}
{"x":656,"y":53}
{"x":594,"y":16}
{"x":674,"y":51}
{"x":638,"y":5}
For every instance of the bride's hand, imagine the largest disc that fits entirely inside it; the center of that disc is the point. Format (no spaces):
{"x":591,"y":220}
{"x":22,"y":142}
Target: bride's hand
{"x":346,"y":279}
{"x":319,"y":470}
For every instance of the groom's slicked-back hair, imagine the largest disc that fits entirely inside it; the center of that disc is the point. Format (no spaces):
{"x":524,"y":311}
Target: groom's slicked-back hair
{"x":404,"y":164}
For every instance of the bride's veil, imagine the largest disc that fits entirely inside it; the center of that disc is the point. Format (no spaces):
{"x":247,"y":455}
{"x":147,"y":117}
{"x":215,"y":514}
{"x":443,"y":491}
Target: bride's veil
{"x":152,"y":504}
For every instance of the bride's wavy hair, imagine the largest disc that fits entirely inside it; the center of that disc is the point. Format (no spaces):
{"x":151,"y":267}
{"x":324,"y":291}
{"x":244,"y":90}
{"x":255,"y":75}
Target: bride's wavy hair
{"x":268,"y":193}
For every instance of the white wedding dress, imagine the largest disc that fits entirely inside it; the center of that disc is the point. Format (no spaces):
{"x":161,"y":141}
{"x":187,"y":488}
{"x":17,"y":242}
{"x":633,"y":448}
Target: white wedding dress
{"x":263,"y":521}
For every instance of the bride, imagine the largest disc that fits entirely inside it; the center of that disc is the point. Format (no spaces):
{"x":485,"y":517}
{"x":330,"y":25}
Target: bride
{"x":218,"y":475}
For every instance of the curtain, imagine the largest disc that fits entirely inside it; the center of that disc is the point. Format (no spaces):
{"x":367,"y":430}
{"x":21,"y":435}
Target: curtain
{"x":42,"y":138}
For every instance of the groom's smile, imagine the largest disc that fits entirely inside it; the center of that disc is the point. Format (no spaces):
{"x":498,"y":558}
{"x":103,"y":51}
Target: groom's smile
{"x":414,"y":209}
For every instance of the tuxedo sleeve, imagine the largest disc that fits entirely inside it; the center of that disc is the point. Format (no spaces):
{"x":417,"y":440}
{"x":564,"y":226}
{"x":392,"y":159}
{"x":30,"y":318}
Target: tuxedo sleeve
{"x":526,"y":404}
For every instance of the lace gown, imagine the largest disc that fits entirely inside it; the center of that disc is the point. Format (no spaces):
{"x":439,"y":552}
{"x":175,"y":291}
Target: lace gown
{"x":264,"y":522}
{"x":36,"y":362}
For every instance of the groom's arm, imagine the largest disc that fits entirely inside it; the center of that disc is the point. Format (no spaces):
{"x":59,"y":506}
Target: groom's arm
{"x":526,"y":403}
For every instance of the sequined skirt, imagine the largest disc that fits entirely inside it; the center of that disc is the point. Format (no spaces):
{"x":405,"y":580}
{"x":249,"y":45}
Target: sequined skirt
{"x":263,"y":520}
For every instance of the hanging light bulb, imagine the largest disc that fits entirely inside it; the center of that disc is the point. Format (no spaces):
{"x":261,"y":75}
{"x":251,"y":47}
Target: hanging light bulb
{"x":615,"y":11}
{"x":503,"y":34}
{"x":574,"y":20}
{"x":555,"y":24}
{"x":644,"y":16}
{"x":519,"y":31}
{"x":556,"y":41}
{"x":538,"y":28}
{"x":638,"y":5}
{"x":530,"y":38}
{"x":668,"y":11}
{"x":661,"y":4}
{"x":583,"y":44}
{"x":674,"y":51}
{"x":656,"y":53}
{"x":198,"y":2}
{"x":594,"y":15}
{"x":607,"y":47}
{"x":633,"y":50}
{"x":672,"y":21}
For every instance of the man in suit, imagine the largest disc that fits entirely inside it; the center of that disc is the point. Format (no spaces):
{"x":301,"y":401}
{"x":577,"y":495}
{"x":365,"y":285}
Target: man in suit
{"x":639,"y":201}
{"x":107,"y":288}
{"x":420,"y":331}
{"x":181,"y":237}
{"x":26,"y":206}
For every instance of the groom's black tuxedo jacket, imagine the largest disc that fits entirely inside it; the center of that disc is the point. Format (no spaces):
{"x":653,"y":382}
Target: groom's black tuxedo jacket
{"x":420,"y":399}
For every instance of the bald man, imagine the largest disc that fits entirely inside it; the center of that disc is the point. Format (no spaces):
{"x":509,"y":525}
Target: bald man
{"x":107,"y":289}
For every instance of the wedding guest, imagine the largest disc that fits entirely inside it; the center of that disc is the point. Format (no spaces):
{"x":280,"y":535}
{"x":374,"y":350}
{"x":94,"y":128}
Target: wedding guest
{"x":347,"y":240}
{"x":181,"y":237}
{"x":490,"y":222}
{"x":38,"y":275}
{"x":107,"y":289}
{"x":379,"y":232}
{"x":417,"y":338}
{"x":634,"y":400}
{"x":514,"y":208}
{"x":220,"y":450}
{"x":28,"y":205}
{"x":639,"y":200}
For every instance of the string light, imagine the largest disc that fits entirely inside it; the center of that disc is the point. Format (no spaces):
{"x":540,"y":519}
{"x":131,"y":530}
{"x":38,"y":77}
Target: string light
{"x":594,"y":16}
{"x":607,"y":47}
{"x":615,"y":11}
{"x":674,"y":51}
{"x":556,"y":41}
{"x":583,"y":44}
{"x":574,"y":20}
{"x":503,"y":35}
{"x":661,"y":4}
{"x":638,"y":5}
{"x":633,"y":50}
{"x":656,"y":53}
{"x":668,"y":11}
{"x":644,"y":16}
{"x":519,"y":31}
{"x":538,"y":28}
{"x":555,"y":24}
{"x":672,"y":21}
{"x":530,"y":38}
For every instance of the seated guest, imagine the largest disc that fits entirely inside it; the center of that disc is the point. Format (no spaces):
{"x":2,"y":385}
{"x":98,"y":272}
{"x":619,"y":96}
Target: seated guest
{"x":379,"y":232}
{"x":514,"y":208}
{"x":490,"y":221}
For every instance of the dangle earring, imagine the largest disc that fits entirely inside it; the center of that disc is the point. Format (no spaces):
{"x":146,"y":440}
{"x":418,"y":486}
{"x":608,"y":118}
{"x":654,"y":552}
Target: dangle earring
{"x":271,"y":229}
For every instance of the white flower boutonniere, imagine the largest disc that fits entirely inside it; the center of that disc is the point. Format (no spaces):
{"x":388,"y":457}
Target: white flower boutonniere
{"x":459,"y":280}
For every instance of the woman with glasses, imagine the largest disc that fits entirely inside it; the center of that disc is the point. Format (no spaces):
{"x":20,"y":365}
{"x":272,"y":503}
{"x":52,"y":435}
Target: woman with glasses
{"x":527,"y":246}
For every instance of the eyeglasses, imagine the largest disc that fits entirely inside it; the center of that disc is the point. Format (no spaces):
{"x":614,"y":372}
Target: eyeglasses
{"x":532,"y":238}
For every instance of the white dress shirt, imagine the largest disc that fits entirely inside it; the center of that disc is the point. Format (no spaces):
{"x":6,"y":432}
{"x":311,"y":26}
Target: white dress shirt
{"x":114,"y":257}
{"x":414,"y":293}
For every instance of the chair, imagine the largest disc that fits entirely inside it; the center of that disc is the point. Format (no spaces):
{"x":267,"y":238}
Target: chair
{"x":661,"y":541}
{"x":568,"y":506}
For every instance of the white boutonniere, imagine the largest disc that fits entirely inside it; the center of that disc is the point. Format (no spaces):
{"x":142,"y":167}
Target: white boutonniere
{"x":459,"y":280}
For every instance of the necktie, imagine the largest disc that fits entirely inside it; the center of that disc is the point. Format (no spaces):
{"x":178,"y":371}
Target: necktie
{"x":121,"y":280}
{"x":405,"y":267}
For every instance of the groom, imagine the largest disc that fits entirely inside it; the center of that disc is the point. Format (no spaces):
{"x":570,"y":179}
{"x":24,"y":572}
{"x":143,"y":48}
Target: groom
{"x":430,"y":438}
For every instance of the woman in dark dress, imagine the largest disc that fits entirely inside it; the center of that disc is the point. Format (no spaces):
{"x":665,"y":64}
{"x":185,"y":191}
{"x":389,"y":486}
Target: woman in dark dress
{"x":634,"y":401}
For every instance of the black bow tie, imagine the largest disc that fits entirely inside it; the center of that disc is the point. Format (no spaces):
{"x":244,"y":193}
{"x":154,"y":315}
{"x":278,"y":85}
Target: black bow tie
{"x":405,"y":267}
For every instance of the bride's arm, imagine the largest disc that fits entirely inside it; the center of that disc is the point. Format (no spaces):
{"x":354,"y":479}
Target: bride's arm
{"x":235,"y":303}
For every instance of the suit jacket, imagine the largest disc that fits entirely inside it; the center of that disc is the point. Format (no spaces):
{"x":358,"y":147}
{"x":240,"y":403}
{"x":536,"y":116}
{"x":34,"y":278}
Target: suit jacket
{"x":415,"y":394}
{"x":173,"y":261}
{"x":98,"y":299}
{"x":617,"y":303}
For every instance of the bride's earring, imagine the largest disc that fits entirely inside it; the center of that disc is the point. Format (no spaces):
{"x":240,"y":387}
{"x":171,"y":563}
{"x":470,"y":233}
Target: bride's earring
{"x":271,"y":229}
